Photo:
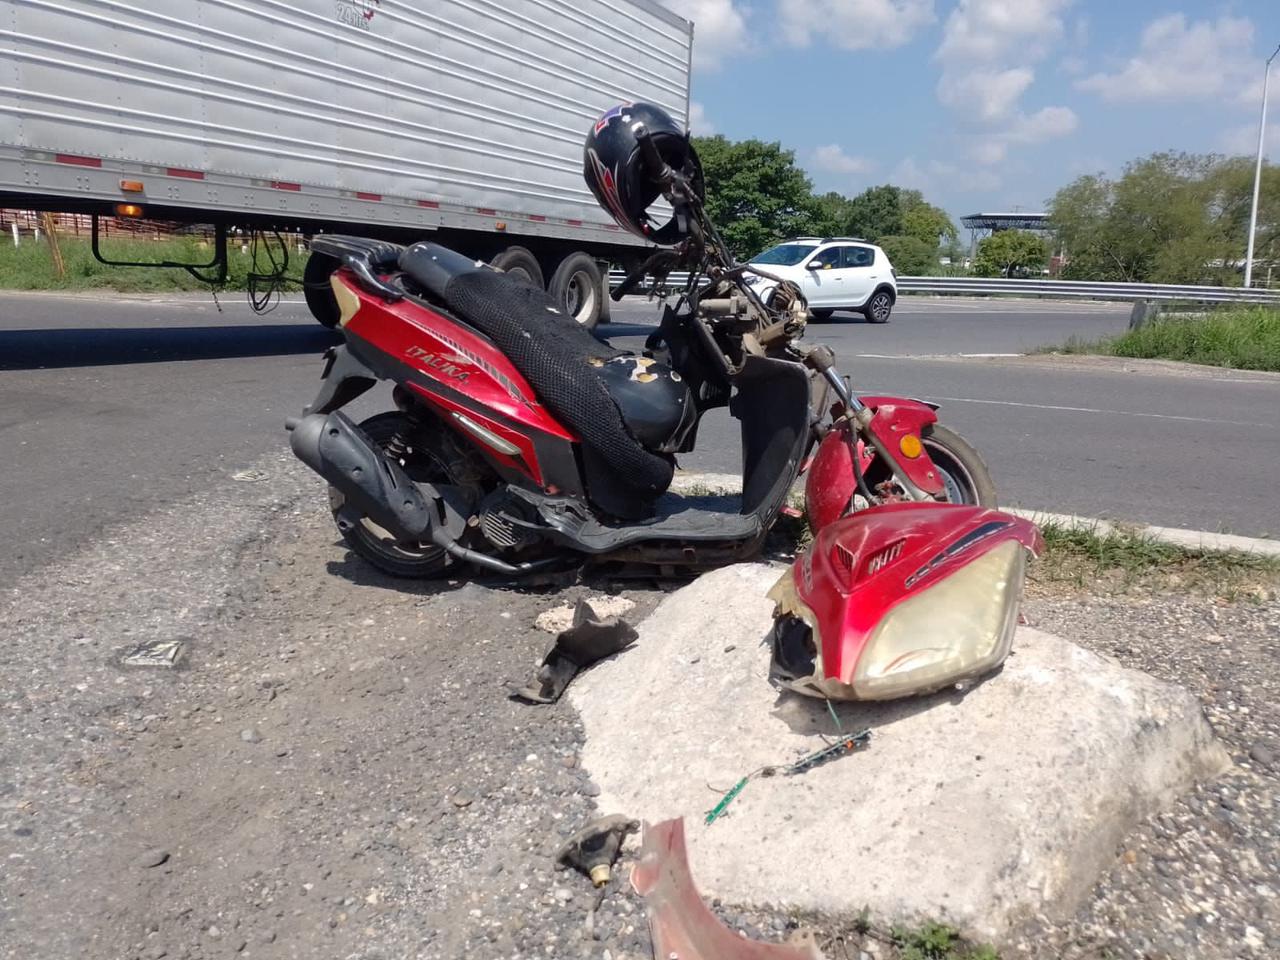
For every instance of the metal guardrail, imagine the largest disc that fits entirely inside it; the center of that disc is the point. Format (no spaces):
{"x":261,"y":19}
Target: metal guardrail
{"x":1069,"y":289}
{"x":1085,"y":290}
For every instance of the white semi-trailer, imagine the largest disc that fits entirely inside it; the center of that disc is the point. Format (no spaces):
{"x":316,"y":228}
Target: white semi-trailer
{"x":462,"y":120}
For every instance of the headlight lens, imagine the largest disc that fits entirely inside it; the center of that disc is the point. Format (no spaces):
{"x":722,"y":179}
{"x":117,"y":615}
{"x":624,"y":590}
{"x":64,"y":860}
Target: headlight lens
{"x":956,"y":629}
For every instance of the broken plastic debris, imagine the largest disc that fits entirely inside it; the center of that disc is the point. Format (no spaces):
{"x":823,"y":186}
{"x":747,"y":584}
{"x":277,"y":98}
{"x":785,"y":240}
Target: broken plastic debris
{"x":594,"y":848}
{"x":155,"y":653}
{"x":249,"y":476}
{"x":680,"y":923}
{"x":588,"y":640}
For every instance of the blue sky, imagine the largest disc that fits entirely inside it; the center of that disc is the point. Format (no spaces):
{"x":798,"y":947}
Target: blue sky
{"x":982,"y":104}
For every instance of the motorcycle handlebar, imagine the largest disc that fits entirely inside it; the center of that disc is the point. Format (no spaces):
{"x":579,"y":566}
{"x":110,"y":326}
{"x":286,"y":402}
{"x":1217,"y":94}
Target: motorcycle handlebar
{"x":657,"y":168}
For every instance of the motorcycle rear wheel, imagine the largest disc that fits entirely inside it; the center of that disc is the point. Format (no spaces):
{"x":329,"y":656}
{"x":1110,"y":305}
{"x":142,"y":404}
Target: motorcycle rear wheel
{"x":430,"y":456}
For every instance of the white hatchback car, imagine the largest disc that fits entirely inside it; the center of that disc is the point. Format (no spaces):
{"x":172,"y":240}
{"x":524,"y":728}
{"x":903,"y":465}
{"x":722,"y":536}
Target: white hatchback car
{"x":835,"y":273}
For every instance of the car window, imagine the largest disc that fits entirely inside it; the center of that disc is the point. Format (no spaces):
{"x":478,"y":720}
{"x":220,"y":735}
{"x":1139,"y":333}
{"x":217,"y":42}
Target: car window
{"x":828,"y":258}
{"x":859,"y":256}
{"x":784,"y":255}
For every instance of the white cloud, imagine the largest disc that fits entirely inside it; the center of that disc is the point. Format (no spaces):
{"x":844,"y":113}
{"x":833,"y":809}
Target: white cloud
{"x":1243,"y":140}
{"x":988,"y":53}
{"x":1181,"y":60}
{"x":853,"y":24}
{"x":936,"y":176}
{"x":719,"y":28}
{"x":987,"y":95}
{"x":990,"y":148}
{"x":698,"y":122}
{"x":1049,"y":123}
{"x":833,"y":159}
{"x":984,"y":31}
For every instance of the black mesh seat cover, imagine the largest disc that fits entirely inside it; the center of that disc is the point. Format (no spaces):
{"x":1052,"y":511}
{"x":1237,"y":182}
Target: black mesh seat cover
{"x":553,"y":351}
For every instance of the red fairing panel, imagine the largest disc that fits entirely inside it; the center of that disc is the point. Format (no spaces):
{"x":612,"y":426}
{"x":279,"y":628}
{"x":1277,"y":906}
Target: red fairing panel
{"x":526,"y":462}
{"x":830,"y":484}
{"x":894,"y":418}
{"x":680,"y":922}
{"x":452,"y":355}
{"x":858,"y":569}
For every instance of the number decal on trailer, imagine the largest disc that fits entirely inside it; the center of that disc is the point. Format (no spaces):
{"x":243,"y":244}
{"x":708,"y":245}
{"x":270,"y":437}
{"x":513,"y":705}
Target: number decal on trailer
{"x":357,"y":13}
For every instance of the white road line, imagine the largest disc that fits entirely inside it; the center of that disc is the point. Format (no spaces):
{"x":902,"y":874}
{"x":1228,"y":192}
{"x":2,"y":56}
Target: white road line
{"x":1111,"y":413}
{"x":933,"y":356}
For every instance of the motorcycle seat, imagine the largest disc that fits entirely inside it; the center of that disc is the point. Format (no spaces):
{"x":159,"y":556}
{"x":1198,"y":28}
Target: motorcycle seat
{"x":570,"y":370}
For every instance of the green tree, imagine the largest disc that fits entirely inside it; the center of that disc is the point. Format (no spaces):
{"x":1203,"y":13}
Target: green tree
{"x":756,"y":195}
{"x":875,"y":213}
{"x":923,"y":220}
{"x":1011,"y":253}
{"x":1168,"y":218}
{"x":911,"y":256}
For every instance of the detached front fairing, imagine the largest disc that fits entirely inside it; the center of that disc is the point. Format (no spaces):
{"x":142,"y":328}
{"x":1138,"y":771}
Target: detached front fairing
{"x":901,"y":599}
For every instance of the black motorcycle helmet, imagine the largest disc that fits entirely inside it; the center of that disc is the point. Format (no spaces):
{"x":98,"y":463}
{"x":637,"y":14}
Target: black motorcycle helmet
{"x":619,"y":177}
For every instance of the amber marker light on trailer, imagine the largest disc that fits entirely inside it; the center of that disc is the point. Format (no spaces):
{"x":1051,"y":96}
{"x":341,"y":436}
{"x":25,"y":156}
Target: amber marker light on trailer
{"x":131,"y":210}
{"x":131,"y":186}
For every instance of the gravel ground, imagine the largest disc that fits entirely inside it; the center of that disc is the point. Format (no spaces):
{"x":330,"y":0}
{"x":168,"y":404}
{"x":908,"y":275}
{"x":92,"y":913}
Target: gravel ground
{"x":334,"y":768}
{"x":1203,"y":879}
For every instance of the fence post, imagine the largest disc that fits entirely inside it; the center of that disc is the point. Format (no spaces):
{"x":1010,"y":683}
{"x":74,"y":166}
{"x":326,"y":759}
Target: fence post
{"x":16,"y":240}
{"x":51,"y":229}
{"x":1144,"y":311}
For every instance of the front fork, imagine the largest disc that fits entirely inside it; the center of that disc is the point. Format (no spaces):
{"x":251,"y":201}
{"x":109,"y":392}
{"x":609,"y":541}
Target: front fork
{"x":859,"y":417}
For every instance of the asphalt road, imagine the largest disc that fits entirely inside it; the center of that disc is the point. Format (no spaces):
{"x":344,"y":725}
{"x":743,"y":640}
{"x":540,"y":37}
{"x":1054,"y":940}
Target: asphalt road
{"x":111,"y":406}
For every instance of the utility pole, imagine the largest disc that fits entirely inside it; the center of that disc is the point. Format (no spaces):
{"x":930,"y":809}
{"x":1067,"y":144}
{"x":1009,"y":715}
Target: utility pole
{"x":1257,"y":172}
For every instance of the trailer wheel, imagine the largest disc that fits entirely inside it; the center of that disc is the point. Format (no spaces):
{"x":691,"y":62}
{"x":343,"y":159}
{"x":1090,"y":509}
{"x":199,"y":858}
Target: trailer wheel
{"x":521,"y":264}
{"x":576,"y":288}
{"x":316,"y":290}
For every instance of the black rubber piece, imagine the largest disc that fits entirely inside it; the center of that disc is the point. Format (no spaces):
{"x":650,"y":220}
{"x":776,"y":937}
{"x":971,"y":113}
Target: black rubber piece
{"x":316,"y":290}
{"x":521,"y":264}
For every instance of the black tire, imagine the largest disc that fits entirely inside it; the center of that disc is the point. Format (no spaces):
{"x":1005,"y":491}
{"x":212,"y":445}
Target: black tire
{"x":880,"y":306}
{"x":965,"y":477}
{"x":432,"y":455}
{"x":521,"y":264}
{"x":316,"y":290}
{"x":963,"y":469}
{"x":820,"y":316}
{"x":576,"y":288}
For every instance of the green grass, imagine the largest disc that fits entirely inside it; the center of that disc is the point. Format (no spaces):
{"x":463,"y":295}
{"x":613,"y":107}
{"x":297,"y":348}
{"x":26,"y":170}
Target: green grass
{"x":1246,"y":338}
{"x":848,"y":936}
{"x":1117,"y":560}
{"x":936,"y":941}
{"x":30,"y":266}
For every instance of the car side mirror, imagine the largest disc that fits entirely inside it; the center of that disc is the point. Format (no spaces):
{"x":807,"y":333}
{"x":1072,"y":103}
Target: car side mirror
{"x":815,"y":265}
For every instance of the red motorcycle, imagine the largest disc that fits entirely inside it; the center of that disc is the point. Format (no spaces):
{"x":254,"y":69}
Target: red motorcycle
{"x":521,"y":442}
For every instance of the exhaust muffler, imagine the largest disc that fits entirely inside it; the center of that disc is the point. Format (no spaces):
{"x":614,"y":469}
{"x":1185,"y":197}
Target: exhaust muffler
{"x":335,"y":448}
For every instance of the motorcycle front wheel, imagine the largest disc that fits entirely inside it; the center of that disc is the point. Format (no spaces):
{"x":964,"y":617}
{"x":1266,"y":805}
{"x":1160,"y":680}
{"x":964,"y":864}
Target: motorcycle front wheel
{"x":965,"y":477}
{"x":428,"y":453}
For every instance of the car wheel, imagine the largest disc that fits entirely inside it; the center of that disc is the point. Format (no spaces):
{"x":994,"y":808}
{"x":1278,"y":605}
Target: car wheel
{"x":820,"y":316}
{"x":879,"y":307}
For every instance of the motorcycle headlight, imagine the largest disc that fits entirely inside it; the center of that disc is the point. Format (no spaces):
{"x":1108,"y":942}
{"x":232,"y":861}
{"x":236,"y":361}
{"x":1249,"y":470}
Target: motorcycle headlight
{"x":956,"y":629}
